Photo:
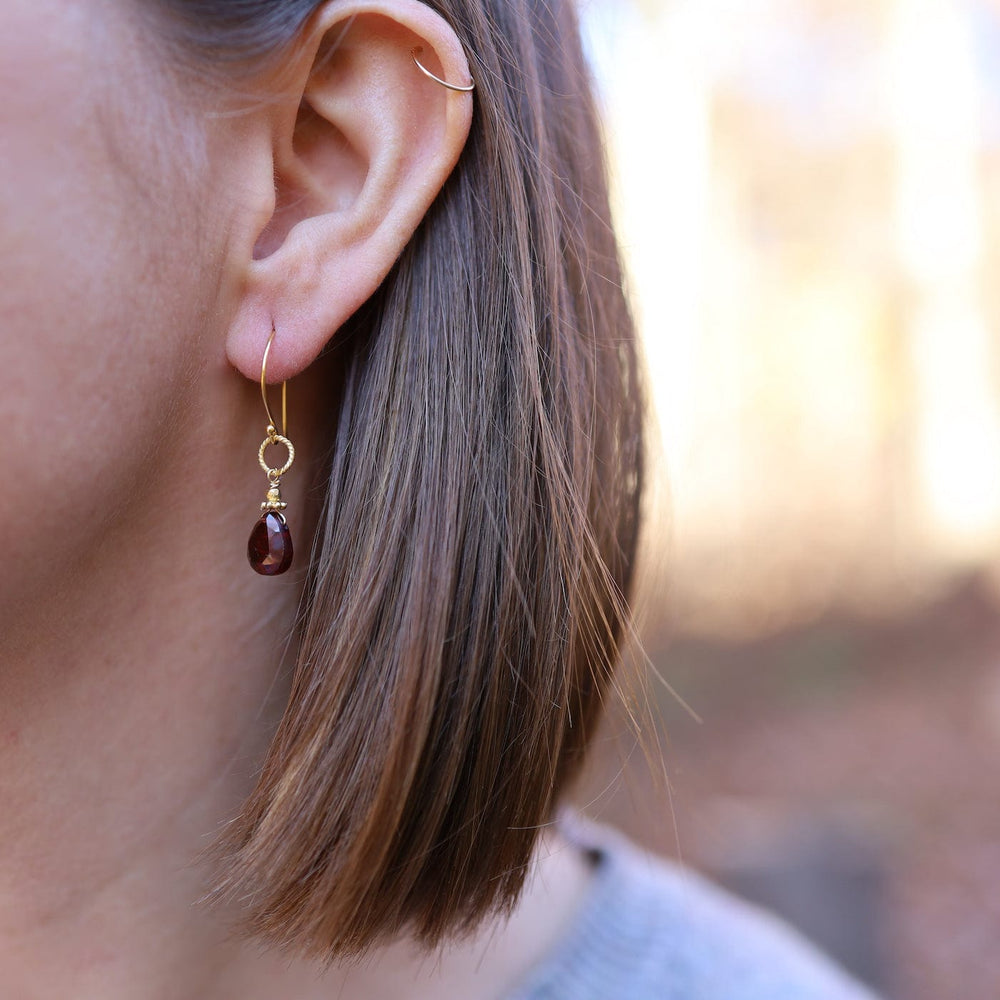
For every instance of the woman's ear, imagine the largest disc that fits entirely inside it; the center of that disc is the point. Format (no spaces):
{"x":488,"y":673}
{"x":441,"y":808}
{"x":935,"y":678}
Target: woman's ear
{"x":361,"y":143}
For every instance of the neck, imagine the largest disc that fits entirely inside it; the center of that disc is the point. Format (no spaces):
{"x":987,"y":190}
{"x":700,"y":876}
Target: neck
{"x":136,"y":701}
{"x":136,"y":698}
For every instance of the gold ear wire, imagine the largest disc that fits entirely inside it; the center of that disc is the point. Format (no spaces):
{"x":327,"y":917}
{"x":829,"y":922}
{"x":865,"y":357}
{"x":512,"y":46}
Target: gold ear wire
{"x":263,"y":390}
{"x":414,"y":52}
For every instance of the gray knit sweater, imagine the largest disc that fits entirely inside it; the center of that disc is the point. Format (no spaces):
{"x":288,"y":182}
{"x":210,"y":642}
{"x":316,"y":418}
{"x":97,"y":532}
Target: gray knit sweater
{"x":650,"y":931}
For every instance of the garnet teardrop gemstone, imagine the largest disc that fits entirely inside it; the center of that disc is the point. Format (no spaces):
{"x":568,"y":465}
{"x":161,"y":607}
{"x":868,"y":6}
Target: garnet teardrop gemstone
{"x":270,"y":547}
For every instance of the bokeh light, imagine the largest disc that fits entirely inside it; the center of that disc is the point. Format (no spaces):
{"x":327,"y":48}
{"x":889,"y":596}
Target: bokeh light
{"x":808,"y":194}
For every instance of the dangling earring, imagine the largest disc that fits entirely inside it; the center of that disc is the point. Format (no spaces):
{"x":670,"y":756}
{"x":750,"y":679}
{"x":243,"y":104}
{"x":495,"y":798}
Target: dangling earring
{"x":270,"y":547}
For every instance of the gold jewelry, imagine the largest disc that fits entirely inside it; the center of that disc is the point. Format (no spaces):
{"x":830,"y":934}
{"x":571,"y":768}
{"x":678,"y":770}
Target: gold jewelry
{"x":414,"y":52}
{"x":270,"y":546}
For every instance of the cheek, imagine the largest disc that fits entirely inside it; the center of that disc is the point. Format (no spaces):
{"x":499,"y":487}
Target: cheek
{"x":102,"y":295}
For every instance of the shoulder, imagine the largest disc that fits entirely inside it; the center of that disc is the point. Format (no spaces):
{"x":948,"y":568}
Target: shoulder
{"x":653,"y":931}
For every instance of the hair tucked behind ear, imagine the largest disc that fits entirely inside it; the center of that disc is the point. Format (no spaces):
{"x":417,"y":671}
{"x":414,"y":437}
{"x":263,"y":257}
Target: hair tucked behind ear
{"x":466,"y":596}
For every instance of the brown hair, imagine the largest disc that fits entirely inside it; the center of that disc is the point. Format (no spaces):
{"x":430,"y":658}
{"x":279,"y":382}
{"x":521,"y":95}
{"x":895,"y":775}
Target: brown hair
{"x":465,"y":603}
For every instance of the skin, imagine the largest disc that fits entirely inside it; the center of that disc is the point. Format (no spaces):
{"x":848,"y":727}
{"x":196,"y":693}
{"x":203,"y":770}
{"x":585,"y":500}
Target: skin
{"x":144,"y":260}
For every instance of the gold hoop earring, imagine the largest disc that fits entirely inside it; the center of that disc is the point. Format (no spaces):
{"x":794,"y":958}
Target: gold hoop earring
{"x":270,"y":546}
{"x":414,"y":52}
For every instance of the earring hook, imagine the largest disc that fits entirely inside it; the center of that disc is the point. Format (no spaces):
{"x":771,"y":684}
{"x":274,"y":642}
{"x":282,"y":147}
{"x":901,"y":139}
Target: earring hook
{"x":263,"y":390}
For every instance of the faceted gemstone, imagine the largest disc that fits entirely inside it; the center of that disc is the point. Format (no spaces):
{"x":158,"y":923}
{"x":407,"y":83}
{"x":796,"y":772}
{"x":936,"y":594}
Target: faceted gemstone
{"x":270,"y":547}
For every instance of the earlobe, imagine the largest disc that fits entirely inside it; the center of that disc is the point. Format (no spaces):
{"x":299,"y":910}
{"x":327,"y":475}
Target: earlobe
{"x":360,"y":150}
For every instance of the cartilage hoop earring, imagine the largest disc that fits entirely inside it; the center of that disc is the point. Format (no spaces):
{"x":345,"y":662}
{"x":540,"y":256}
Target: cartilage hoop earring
{"x":414,"y":52}
{"x":270,"y":546}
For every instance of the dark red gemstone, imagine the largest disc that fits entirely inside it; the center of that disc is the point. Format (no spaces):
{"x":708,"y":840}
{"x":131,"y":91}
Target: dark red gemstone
{"x":270,"y":547}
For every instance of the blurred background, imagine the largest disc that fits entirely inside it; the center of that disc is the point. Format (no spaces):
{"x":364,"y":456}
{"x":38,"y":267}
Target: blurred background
{"x":808,"y":194}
